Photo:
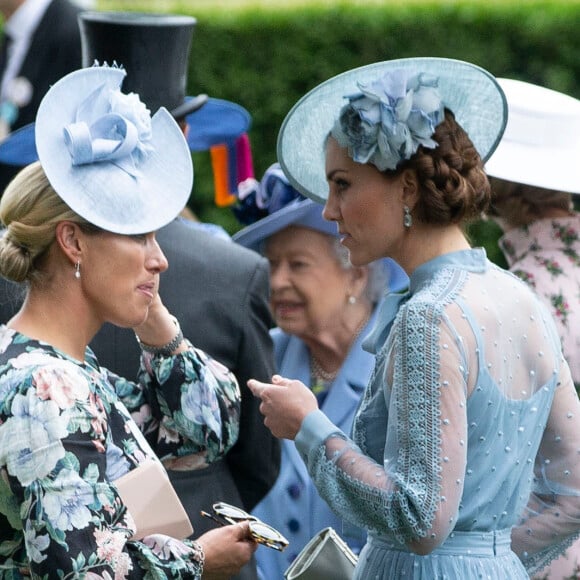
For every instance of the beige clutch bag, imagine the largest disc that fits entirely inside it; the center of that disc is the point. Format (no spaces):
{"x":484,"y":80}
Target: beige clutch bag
{"x":152,"y":502}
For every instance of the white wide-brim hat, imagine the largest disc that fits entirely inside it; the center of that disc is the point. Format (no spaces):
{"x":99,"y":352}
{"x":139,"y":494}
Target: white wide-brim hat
{"x":541,"y":143}
{"x":470,"y":92}
{"x":158,"y":183}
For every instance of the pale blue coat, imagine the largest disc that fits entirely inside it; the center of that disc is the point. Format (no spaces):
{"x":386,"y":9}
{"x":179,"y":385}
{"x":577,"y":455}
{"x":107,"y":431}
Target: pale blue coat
{"x":293,"y":505}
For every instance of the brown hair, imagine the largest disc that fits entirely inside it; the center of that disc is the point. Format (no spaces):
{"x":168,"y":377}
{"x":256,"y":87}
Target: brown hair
{"x":454,"y":186}
{"x":30,"y":210}
{"x":520,"y":204}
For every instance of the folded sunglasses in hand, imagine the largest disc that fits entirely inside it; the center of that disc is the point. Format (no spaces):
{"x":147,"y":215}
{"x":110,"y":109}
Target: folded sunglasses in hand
{"x":225,"y":514}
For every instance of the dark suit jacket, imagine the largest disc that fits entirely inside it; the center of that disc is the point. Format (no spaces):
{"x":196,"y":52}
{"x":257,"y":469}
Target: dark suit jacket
{"x":219,"y":293}
{"x":55,"y":50}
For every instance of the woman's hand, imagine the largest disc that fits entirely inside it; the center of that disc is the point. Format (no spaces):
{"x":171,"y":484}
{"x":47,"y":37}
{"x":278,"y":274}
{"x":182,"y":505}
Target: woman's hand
{"x":160,"y":327}
{"x":285,"y":403}
{"x":226,"y":550}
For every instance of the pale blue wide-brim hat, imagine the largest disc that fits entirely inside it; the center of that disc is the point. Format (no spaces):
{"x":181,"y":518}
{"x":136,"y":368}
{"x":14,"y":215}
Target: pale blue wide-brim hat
{"x":107,"y":158}
{"x":308,"y":214}
{"x":470,"y":92}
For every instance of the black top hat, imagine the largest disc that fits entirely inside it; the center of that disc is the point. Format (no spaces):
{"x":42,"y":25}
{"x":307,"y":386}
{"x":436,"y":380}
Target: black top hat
{"x":152,"y":48}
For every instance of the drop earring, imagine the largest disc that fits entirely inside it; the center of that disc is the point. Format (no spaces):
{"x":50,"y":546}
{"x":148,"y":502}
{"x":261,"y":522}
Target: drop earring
{"x":407,"y":218}
{"x":77,"y":270}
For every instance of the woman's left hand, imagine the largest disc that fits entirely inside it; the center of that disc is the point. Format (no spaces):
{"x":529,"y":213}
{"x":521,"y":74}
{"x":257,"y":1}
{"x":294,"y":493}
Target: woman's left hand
{"x":285,"y":403}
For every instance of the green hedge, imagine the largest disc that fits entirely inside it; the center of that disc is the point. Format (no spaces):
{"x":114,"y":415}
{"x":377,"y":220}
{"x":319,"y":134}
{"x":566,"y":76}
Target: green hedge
{"x":266,"y":58}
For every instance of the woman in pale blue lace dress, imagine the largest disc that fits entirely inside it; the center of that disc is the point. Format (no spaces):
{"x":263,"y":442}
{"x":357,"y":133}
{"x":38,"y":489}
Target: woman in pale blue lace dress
{"x":463,"y":461}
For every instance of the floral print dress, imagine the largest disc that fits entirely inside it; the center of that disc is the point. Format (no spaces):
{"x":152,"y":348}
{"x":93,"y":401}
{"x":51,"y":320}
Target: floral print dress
{"x":65,"y":437}
{"x":546,"y":255}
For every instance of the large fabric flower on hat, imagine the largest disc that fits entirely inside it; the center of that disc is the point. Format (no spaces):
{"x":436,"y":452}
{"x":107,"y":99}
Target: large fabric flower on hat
{"x":110,"y":126}
{"x":390,"y":118}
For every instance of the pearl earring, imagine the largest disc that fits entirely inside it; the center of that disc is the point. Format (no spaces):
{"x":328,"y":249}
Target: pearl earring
{"x":77,"y":270}
{"x":407,"y":218}
{"x":352,"y":299}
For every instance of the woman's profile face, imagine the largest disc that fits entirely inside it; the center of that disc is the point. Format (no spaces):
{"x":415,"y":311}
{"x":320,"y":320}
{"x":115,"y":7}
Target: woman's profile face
{"x":120,"y":276}
{"x":309,"y":287}
{"x":367,"y":206}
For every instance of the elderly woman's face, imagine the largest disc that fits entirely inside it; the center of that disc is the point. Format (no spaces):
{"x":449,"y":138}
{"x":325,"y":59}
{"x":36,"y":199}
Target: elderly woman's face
{"x":309,"y":287}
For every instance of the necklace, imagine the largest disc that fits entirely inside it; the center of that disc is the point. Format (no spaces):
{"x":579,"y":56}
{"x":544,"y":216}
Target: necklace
{"x":319,"y":375}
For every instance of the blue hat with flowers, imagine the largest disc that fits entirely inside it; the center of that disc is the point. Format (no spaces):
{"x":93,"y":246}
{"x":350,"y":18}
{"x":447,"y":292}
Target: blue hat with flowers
{"x":107,"y":158}
{"x":272,"y":205}
{"x":384,"y":111}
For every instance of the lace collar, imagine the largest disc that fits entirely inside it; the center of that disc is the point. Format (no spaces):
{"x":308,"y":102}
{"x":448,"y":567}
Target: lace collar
{"x":473,"y":260}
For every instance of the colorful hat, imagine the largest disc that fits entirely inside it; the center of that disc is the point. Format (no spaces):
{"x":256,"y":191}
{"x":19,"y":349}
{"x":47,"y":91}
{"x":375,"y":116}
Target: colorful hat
{"x":282,"y":206}
{"x":541,"y":143}
{"x":107,"y":158}
{"x":470,"y":92}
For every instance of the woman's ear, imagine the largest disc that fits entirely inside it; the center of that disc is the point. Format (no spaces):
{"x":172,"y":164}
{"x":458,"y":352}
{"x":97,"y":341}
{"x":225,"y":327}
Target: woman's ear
{"x":359,"y":280}
{"x":409,"y":188}
{"x":67,"y":238}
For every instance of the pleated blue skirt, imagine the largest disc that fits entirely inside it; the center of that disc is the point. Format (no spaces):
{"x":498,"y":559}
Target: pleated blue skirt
{"x":463,"y":556}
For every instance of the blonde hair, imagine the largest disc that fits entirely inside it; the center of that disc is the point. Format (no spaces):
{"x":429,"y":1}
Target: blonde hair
{"x":30,"y":210}
{"x":520,"y":205}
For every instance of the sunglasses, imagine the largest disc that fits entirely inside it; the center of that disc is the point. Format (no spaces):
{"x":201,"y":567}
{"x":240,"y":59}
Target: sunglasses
{"x":225,"y":514}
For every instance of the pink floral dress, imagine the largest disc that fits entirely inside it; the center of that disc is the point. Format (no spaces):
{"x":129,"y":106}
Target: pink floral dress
{"x":546,"y":255}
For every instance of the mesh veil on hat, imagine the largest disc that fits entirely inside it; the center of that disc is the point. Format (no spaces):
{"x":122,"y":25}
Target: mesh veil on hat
{"x":541,"y":143}
{"x":112,"y":163}
{"x":470,"y":92}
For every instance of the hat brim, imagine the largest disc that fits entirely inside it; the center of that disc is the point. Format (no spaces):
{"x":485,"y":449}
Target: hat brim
{"x":541,"y":143}
{"x":302,"y":212}
{"x":217,"y":122}
{"x":102,"y":193}
{"x":210,"y":122}
{"x":189,"y":105}
{"x":470,"y":92}
{"x":19,"y":148}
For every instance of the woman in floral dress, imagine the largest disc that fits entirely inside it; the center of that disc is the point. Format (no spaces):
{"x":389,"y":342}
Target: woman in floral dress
{"x":533,"y":178}
{"x":80,"y":232}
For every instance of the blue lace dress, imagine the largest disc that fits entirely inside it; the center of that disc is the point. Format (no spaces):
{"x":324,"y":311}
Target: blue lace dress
{"x":65,"y":437}
{"x":463,"y":461}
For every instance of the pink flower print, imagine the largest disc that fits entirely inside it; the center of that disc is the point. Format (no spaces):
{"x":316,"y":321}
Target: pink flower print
{"x":110,"y":546}
{"x":96,"y":410}
{"x":552,"y":266}
{"x":567,"y":234}
{"x":561,"y":307}
{"x":527,"y":277}
{"x":57,"y":384}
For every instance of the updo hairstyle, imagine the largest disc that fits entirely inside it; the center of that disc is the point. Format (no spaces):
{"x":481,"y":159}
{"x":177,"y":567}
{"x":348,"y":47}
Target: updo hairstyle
{"x":30,"y":209}
{"x":453,"y":185}
{"x":520,"y":205}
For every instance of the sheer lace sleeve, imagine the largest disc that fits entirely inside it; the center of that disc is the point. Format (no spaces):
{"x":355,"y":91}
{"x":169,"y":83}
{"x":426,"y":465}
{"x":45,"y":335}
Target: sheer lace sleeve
{"x":409,"y":485}
{"x":552,"y":517}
